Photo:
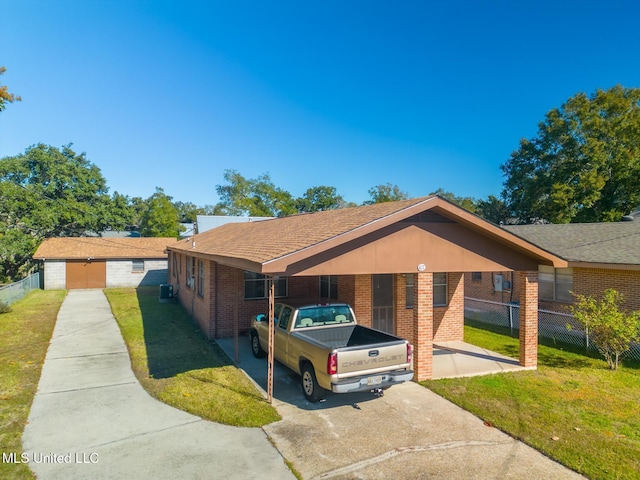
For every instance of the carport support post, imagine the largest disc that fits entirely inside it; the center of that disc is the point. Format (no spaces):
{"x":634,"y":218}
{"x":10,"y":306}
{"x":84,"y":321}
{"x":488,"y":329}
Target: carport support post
{"x":423,"y":326}
{"x":528,"y":318}
{"x":270,"y":285}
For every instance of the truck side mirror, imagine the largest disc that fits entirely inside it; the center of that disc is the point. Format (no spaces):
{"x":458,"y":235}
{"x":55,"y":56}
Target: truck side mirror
{"x":261,"y":317}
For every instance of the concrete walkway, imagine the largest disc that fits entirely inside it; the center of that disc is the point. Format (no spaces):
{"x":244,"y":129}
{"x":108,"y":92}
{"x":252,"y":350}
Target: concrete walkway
{"x":91,"y":418}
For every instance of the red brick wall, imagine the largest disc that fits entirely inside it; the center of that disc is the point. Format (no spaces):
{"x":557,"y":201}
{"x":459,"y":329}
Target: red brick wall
{"x":362,"y":299}
{"x":594,"y":281}
{"x":483,"y":289}
{"x":347,"y":289}
{"x":586,"y":281}
{"x":404,"y":316}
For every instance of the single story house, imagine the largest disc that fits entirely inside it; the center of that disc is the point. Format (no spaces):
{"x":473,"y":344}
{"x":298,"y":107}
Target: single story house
{"x":95,"y":262}
{"x":400,"y":265}
{"x":598,"y":256}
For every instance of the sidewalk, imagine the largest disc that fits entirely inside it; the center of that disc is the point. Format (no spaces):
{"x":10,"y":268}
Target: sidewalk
{"x":91,"y":418}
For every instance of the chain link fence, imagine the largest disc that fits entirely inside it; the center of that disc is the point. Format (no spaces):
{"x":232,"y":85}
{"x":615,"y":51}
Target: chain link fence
{"x":551,"y":325}
{"x":15,"y":291}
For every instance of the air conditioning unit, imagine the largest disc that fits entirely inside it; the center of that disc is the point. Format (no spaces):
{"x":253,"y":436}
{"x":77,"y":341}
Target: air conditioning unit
{"x":166,"y":291}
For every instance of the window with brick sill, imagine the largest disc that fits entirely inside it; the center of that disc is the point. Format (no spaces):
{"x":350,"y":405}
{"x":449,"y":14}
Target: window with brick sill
{"x":555,"y":284}
{"x":329,"y":286}
{"x":256,"y":286}
{"x":440,"y":290}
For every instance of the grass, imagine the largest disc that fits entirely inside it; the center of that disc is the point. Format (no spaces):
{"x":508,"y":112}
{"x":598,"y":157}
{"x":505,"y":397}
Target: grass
{"x":572,"y":408}
{"x":25,"y":333}
{"x":176,"y":364}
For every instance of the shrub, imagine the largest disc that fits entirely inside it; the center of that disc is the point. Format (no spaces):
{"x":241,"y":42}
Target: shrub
{"x":610,"y":329}
{"x":4,"y":307}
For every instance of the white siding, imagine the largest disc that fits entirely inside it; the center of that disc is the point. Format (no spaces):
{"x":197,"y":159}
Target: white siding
{"x":120,"y":274}
{"x":55,"y":274}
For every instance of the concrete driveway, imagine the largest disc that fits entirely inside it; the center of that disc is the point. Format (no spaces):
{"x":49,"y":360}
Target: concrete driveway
{"x":91,"y":418}
{"x":410,"y":433}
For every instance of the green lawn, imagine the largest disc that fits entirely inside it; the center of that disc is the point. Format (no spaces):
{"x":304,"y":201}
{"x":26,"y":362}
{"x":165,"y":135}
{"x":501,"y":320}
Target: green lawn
{"x":572,"y":408}
{"x":25,"y":333}
{"x":175,"y":363}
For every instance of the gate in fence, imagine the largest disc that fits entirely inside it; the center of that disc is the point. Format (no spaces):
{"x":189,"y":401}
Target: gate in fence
{"x":15,"y":291}
{"x":551,"y":325}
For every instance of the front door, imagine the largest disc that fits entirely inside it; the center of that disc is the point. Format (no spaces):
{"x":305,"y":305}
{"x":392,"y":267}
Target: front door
{"x":382,"y":298}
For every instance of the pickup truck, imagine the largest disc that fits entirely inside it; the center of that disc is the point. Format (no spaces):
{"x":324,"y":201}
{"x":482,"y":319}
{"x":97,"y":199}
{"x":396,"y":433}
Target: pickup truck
{"x":330,"y":351}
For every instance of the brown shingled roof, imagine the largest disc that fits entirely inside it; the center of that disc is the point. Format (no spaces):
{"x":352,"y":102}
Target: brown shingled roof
{"x":102,"y":248}
{"x":268,"y":245}
{"x":270,"y":239}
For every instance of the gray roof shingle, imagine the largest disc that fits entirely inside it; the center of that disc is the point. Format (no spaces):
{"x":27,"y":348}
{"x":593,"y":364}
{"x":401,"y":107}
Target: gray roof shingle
{"x":614,"y":242}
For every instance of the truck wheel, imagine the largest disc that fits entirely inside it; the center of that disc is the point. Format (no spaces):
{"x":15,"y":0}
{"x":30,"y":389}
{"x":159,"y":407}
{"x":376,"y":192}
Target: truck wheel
{"x":312,"y":391}
{"x":256,"y":349}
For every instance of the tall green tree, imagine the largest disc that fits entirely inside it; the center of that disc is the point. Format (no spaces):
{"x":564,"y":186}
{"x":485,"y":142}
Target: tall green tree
{"x":50,"y":192}
{"x":317,"y":199}
{"x":257,"y":197}
{"x":493,"y":209}
{"x":5,"y":95}
{"x":584,"y":163}
{"x":468,"y":203}
{"x":161,"y":219}
{"x":385,"y":193}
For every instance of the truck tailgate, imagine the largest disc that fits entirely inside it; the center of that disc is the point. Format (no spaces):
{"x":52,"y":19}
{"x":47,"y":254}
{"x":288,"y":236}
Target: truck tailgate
{"x":372,"y":359}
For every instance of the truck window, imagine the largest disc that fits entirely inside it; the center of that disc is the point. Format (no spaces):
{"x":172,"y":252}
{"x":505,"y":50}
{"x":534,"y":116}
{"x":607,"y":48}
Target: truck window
{"x":323,"y":315}
{"x":276,"y":312}
{"x":285,"y":316}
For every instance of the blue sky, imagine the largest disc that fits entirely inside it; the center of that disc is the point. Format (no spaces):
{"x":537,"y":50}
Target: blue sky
{"x":349,"y":94}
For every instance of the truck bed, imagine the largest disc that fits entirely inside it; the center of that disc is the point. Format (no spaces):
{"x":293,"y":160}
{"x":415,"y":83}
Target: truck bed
{"x":347,"y":336}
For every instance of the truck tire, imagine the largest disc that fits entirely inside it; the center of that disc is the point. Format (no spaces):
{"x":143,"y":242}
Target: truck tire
{"x":256,"y":349}
{"x":312,"y":391}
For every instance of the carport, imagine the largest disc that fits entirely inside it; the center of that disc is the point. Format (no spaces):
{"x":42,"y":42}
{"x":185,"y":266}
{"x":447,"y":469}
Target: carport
{"x":413,"y":241}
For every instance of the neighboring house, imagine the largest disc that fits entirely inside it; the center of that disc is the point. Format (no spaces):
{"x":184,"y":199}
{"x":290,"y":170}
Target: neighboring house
{"x":208,"y":222}
{"x":598,"y":256}
{"x":399,"y":264}
{"x":90,"y":262}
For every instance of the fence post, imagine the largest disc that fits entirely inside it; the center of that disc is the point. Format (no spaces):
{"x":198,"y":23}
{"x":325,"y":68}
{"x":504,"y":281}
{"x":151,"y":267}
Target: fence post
{"x":511,"y":320}
{"x":586,"y":337}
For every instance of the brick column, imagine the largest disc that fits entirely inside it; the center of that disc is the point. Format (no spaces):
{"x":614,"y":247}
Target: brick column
{"x":528,"y":282}
{"x":422,"y":340}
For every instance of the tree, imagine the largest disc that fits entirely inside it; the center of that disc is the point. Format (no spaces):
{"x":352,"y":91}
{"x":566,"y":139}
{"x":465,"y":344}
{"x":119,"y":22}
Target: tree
{"x":609,"y":328}
{"x":188,"y":212}
{"x":161,"y":217}
{"x":317,"y":199}
{"x":48,"y":192}
{"x":385,"y":193}
{"x":584,"y":163}
{"x":493,"y":209}
{"x":5,"y":95}
{"x":468,"y":203}
{"x":257,"y":197}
